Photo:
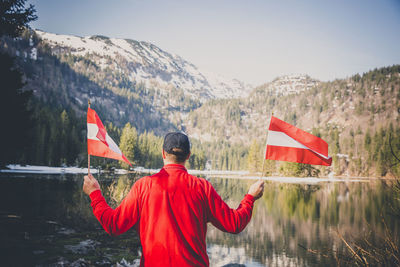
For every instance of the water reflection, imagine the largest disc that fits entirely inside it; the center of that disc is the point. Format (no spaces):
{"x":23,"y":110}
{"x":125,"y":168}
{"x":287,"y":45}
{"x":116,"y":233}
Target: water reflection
{"x":47,"y":219}
{"x":290,"y":215}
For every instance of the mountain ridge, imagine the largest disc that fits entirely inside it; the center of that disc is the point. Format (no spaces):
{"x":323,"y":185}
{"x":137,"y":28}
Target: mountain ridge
{"x":146,"y":63}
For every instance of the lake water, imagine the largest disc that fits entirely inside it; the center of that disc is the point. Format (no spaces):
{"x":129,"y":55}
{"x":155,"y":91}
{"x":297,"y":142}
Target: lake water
{"x":47,"y":220}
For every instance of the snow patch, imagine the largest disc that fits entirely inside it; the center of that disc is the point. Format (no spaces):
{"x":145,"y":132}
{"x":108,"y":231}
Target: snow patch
{"x":45,"y":169}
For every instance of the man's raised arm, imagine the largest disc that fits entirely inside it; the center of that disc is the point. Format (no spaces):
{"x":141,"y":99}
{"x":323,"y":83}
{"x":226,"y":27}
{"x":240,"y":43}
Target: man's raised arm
{"x":116,"y":221}
{"x":233,"y":220}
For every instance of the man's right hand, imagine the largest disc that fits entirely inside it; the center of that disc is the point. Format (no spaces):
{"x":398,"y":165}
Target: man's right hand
{"x":257,"y":189}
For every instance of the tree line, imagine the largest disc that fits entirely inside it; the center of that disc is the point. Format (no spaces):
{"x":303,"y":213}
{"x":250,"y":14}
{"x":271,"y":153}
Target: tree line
{"x":57,"y":137}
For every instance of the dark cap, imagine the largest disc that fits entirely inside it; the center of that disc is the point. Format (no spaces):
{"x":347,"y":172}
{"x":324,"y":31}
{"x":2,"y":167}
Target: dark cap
{"x":176,"y":140}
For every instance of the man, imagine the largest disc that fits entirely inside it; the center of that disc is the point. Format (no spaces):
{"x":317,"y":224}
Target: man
{"x":170,"y":210}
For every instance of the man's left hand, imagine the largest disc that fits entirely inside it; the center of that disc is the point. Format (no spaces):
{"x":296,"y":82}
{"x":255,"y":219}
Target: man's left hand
{"x":90,"y":184}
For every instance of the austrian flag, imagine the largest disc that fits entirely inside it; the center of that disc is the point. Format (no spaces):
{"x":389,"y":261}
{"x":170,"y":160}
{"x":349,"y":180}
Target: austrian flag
{"x":287,"y":143}
{"x":99,"y":142}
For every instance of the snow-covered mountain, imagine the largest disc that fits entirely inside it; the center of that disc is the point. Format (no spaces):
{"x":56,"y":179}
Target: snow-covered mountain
{"x":291,"y":84}
{"x":143,"y":62}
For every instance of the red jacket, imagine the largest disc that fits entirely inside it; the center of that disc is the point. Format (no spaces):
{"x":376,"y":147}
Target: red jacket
{"x":170,"y":211}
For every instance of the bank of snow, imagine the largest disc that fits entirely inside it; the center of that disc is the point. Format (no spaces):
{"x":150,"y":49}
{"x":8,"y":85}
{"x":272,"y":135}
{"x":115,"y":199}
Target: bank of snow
{"x":16,"y":168}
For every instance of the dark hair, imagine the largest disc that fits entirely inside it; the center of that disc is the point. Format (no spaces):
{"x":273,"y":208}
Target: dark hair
{"x":177,"y":155}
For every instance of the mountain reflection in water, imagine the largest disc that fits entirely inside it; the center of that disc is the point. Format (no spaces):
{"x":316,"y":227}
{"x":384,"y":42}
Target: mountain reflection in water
{"x":291,"y":217}
{"x":46,"y":219}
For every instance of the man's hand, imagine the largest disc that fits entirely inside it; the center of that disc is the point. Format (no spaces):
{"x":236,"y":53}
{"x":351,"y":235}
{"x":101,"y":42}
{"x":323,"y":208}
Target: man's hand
{"x":90,"y":184}
{"x":256,"y":189}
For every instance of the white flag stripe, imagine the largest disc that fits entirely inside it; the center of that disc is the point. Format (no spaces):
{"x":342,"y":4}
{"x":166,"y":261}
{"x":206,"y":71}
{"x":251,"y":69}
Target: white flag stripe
{"x":281,"y":139}
{"x":113,"y":146}
{"x":93,"y":129}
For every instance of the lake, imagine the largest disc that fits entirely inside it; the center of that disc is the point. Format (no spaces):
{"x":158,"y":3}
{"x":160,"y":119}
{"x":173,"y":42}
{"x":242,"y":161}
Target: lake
{"x":47,"y":220}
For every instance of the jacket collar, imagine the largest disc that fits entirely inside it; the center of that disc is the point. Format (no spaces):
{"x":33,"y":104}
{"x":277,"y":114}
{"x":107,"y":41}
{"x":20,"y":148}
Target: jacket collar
{"x":174,"y":167}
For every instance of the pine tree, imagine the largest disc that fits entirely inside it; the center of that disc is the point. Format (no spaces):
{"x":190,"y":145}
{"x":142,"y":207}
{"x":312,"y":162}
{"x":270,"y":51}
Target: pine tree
{"x":128,"y":143}
{"x":64,"y":142}
{"x":367,"y":143}
{"x":254,"y":158}
{"x":14,"y":17}
{"x":14,"y":115}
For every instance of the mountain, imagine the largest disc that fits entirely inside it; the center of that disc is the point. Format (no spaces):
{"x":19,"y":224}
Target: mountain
{"x":63,"y":77}
{"x":235,"y":119}
{"x":127,"y":81}
{"x":290,"y":84}
{"x":143,"y":62}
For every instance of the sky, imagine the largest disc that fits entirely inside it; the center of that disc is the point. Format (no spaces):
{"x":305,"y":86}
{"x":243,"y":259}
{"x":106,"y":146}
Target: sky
{"x":254,"y":41}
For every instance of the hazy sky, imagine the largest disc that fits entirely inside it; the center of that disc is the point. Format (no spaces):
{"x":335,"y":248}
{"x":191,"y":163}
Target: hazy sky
{"x":253,"y":41}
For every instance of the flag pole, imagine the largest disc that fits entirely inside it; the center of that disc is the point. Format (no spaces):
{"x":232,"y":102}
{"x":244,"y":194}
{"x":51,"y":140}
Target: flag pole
{"x":88,"y":151}
{"x":265,"y":151}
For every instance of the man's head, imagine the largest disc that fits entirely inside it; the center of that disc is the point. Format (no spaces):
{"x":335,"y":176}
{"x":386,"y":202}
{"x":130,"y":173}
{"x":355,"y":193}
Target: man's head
{"x":176,"y":147}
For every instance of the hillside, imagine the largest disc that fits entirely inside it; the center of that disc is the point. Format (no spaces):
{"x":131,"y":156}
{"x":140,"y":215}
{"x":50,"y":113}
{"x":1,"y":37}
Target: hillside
{"x":55,"y":82}
{"x":123,"y":76}
{"x":349,"y":104}
{"x":346,"y":113}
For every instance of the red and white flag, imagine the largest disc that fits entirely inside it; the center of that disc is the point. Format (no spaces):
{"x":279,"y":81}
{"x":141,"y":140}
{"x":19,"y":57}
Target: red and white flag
{"x":288,"y":143}
{"x":99,"y":142}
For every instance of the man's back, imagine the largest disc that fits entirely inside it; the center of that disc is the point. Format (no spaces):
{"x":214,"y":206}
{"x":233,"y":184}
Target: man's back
{"x":173,"y":218}
{"x":170,"y":210}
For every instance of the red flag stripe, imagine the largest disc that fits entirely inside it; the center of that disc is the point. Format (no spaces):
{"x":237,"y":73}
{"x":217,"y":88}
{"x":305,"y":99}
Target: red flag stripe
{"x":91,"y":116}
{"x":310,"y":141}
{"x":294,"y":154}
{"x":98,"y":148}
{"x":101,"y":133}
